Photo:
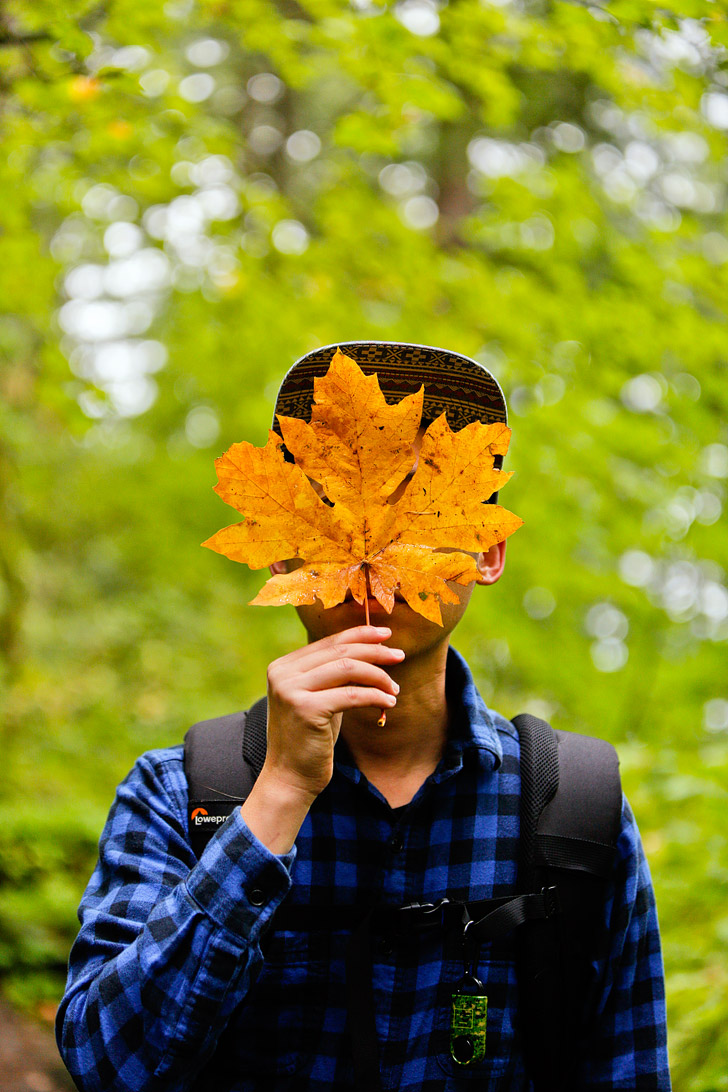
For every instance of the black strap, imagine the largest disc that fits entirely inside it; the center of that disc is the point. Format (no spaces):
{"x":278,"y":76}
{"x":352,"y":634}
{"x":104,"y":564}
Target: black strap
{"x":539,"y":785}
{"x":222,"y":759}
{"x":588,"y":807}
{"x":512,"y":913}
{"x":577,"y":854}
{"x":402,"y":921}
{"x":255,"y":736}
{"x":568,"y":840}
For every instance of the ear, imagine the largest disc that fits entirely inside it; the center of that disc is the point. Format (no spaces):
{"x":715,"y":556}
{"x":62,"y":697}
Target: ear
{"x":278,"y":568}
{"x":491,"y":564}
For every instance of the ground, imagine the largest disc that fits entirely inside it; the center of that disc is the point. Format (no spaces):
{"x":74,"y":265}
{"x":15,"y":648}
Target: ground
{"x":29,"y":1060}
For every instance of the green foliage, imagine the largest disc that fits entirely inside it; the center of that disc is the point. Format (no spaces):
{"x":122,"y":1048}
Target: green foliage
{"x":198,"y":193}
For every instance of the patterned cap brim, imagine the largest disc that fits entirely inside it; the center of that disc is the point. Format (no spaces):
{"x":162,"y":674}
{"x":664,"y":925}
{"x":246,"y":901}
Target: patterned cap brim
{"x":454,"y":384}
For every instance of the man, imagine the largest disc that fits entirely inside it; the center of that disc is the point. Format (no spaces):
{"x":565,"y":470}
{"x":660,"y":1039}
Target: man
{"x":238,"y":971}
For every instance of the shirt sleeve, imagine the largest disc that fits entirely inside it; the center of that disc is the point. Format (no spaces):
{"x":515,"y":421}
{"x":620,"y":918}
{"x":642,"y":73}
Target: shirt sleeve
{"x":168,"y":946}
{"x":629,"y":1049}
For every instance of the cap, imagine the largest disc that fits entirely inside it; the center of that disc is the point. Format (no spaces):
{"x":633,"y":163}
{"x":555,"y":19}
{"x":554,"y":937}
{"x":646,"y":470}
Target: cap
{"x":454,"y":384}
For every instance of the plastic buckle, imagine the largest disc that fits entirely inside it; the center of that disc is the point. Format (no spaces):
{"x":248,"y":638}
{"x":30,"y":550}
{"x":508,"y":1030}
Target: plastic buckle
{"x":422,"y":915}
{"x":551,"y":902}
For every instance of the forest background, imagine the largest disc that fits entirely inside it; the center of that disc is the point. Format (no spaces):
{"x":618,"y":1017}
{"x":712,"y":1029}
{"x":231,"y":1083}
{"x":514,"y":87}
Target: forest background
{"x":195,"y":194}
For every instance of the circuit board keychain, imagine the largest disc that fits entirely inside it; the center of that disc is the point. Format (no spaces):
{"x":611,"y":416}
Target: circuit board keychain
{"x":469,"y":1015}
{"x":468,"y":1021}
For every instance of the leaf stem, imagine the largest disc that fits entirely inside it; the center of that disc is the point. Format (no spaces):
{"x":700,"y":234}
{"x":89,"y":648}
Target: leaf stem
{"x":383,"y":713}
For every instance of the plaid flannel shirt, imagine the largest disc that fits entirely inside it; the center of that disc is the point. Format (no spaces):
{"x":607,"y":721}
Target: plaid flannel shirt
{"x":178,"y":983}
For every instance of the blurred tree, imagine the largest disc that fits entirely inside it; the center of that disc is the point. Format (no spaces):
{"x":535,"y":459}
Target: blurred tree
{"x":196,"y":194}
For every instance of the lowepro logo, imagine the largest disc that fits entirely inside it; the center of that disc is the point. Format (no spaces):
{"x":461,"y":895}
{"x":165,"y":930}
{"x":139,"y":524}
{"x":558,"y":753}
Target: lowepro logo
{"x":200,"y":816}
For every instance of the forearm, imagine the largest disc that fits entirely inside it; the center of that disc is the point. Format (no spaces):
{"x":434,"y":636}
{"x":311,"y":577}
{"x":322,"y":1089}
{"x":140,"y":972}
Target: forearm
{"x":148,"y":1000}
{"x":132,"y":1025}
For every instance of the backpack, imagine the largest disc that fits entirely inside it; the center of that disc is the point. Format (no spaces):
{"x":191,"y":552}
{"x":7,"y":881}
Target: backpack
{"x":570,"y":818}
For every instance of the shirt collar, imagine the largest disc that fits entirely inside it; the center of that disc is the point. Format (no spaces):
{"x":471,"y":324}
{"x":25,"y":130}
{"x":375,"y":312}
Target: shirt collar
{"x":471,"y":729}
{"x":471,"y":722}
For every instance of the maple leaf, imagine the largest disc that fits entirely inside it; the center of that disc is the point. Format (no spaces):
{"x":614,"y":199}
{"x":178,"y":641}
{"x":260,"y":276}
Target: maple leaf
{"x":360,"y":450}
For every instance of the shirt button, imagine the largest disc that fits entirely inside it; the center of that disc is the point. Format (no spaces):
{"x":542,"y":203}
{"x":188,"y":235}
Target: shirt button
{"x":256,"y":897}
{"x":385,"y":948}
{"x":396,"y":842}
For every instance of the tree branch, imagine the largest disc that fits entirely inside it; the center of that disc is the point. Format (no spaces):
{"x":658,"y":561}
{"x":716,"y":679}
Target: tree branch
{"x":10,"y":40}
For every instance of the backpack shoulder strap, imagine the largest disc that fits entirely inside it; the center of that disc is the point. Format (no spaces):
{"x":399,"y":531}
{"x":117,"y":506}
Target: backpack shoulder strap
{"x":571,"y":807}
{"x":579,"y":827}
{"x":540,"y":776}
{"x":222,"y":760}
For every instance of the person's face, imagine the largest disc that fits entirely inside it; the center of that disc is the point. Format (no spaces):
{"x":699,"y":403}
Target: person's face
{"x":410,"y":630}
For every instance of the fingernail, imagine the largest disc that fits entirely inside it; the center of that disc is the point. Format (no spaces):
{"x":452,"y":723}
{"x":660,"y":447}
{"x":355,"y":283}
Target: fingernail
{"x":383,"y":630}
{"x":396,"y":687}
{"x":398,"y":652}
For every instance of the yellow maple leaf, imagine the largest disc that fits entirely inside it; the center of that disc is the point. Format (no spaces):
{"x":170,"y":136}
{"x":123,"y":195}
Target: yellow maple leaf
{"x":361,"y":450}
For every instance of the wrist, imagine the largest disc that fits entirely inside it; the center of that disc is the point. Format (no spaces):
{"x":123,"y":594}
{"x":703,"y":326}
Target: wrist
{"x":275,"y":810}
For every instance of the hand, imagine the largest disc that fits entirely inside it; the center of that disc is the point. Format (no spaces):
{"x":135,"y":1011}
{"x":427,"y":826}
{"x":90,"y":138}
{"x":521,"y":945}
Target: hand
{"x":310,"y":689}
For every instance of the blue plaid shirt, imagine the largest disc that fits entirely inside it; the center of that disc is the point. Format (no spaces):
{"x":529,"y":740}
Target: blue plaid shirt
{"x":177,"y":982}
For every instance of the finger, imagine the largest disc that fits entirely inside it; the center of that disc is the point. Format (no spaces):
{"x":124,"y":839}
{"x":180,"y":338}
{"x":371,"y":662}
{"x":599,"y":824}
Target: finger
{"x":373,"y":654}
{"x":362,"y":634}
{"x":354,"y":697}
{"x":344,"y":671}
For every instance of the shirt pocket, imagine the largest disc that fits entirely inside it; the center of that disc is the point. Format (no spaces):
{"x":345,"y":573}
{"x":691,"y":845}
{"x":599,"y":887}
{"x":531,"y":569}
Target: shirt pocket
{"x":279,"y":1024}
{"x":499,"y":1061}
